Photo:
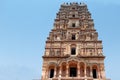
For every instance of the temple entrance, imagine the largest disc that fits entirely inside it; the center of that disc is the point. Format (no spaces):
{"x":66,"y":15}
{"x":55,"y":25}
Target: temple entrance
{"x":51,"y":73}
{"x":94,"y":73}
{"x":73,"y":72}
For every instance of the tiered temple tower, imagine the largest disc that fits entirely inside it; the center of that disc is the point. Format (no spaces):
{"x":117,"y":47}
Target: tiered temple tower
{"x":73,"y":50}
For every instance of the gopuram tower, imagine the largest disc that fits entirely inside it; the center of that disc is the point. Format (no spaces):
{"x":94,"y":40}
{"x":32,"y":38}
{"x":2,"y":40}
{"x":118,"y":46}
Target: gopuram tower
{"x":73,"y":50}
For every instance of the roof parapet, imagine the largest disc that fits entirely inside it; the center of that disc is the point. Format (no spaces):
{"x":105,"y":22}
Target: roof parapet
{"x":74,"y":3}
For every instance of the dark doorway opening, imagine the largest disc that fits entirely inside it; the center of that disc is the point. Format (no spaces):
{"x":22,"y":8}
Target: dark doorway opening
{"x":73,"y":72}
{"x":94,"y":73}
{"x":73,"y":15}
{"x":73,"y":37}
{"x":73,"y":51}
{"x":73,"y":24}
{"x":51,"y":73}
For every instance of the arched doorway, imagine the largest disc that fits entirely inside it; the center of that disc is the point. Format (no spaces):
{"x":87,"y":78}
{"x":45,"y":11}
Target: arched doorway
{"x":94,"y":71}
{"x":51,"y":71}
{"x":73,"y":69}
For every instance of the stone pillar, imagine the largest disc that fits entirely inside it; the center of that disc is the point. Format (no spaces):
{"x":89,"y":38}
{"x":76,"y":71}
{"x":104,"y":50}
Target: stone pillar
{"x":67,"y":70}
{"x":85,"y":52}
{"x":102,"y":71}
{"x":91,"y":74}
{"x":60,"y":71}
{"x":98,"y":71}
{"x":55,"y":71}
{"x":98,"y":74}
{"x":85,"y":75}
{"x":78,"y":71}
{"x":43,"y":74}
{"x":47,"y":74}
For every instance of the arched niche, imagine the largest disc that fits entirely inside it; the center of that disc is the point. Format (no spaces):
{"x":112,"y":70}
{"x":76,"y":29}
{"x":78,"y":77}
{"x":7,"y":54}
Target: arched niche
{"x":82,"y":69}
{"x":95,"y":71}
{"x":63,"y":67}
{"x":73,"y":68}
{"x":51,"y":69}
{"x":88,"y":71}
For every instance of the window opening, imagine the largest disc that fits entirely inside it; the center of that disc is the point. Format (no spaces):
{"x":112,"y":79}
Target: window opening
{"x":51,"y":73}
{"x":73,"y":24}
{"x":73,"y":15}
{"x":73,"y":72}
{"x":73,"y":37}
{"x":73,"y":8}
{"x":73,"y":51}
{"x":94,"y":73}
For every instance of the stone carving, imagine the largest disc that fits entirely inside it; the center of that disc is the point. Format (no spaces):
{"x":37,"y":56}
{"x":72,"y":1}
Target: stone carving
{"x":102,"y":67}
{"x":58,"y":53}
{"x":52,"y":52}
{"x":74,"y":42}
{"x":77,"y":36}
{"x":63,"y":35}
{"x":69,"y":36}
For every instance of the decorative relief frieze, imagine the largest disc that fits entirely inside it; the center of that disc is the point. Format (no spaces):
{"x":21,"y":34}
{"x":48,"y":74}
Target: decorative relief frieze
{"x":73,"y":44}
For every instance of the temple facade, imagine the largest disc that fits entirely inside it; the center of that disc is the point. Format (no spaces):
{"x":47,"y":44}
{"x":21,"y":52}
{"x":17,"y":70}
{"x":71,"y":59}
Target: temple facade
{"x":73,"y":50}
